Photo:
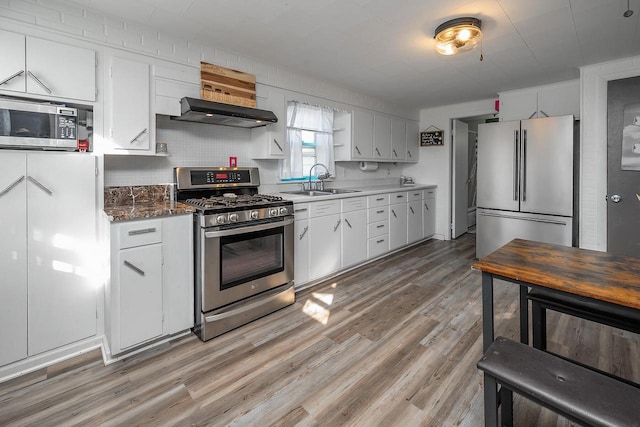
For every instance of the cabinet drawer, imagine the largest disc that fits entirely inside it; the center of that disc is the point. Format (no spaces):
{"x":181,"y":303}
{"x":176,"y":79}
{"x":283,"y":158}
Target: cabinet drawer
{"x":301,"y":210}
{"x":378,"y":214}
{"x":378,"y":228}
{"x":354,"y":204}
{"x":377,"y":200}
{"x":328,"y":207}
{"x":414,"y":195}
{"x":378,"y":246}
{"x":395,"y":198}
{"x":430,"y":194}
{"x":139,"y":233}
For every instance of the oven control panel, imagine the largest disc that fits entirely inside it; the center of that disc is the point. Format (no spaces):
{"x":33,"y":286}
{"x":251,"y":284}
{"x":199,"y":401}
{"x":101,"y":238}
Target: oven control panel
{"x":246,"y":215}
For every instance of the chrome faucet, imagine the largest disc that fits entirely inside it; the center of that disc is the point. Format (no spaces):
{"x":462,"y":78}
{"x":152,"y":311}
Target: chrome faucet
{"x":320,"y":177}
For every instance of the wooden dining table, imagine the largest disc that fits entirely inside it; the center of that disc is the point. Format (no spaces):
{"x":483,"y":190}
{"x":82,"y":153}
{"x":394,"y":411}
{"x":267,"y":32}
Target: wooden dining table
{"x":597,"y":275}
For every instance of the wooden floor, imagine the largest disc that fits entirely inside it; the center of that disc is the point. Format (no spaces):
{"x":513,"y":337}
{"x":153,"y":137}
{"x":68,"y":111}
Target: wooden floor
{"x":394,"y":343}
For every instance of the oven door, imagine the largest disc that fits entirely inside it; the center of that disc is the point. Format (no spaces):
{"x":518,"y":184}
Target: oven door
{"x":241,"y":262}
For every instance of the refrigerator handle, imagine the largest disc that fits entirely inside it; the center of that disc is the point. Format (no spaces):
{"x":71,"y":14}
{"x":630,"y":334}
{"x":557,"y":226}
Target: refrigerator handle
{"x":515,"y":165}
{"x":524,"y":165}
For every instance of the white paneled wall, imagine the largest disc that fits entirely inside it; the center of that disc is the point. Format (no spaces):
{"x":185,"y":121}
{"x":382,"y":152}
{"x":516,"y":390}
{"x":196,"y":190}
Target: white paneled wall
{"x":189,"y":144}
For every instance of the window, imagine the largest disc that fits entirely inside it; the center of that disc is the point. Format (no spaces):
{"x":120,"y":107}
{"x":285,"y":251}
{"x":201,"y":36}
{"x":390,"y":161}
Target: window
{"x":309,"y":140}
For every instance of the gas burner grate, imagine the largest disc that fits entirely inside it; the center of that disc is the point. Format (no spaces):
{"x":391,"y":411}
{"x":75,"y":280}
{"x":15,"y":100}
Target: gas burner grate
{"x":239,"y":200}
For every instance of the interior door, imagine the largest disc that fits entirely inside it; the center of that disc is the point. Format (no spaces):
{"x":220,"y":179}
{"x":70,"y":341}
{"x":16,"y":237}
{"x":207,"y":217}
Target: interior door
{"x":460,"y":178}
{"x":623,"y":166}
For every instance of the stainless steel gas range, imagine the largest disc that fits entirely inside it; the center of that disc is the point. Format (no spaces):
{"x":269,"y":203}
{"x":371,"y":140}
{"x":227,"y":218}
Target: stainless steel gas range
{"x":243,"y":247}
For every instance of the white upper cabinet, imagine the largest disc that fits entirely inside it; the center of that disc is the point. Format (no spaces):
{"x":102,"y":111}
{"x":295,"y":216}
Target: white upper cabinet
{"x":130,"y":124}
{"x":381,"y":137}
{"x":362,"y":143}
{"x":557,"y":99}
{"x":398,"y":139}
{"x":46,"y":68}
{"x":269,"y":141}
{"x":413,"y":141}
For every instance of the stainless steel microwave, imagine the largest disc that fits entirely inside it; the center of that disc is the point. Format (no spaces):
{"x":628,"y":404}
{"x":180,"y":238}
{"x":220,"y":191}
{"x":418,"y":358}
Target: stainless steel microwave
{"x":37,"y":125}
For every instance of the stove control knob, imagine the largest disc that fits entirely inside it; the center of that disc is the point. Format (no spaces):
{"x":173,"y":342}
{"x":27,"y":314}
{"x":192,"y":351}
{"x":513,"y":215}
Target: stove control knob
{"x":255,"y":215}
{"x":233,"y":217}
{"x":283,"y":211}
{"x":221,"y":219}
{"x":273,"y":212}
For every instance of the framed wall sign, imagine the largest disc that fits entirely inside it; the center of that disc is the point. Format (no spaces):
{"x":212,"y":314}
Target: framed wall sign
{"x":429,"y":138}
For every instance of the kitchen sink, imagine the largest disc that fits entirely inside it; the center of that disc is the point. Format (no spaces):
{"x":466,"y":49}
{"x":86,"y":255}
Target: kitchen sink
{"x":326,"y":192}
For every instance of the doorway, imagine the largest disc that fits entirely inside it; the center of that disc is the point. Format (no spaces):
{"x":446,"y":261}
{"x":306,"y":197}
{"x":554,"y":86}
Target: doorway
{"x":464,"y":136}
{"x":623,"y":166}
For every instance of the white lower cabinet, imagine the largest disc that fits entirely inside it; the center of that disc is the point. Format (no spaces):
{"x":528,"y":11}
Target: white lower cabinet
{"x":414,"y":221}
{"x":325,"y":241}
{"x":354,"y":231}
{"x":301,"y":243}
{"x":398,"y":224}
{"x":429,"y":213}
{"x":150,"y":294}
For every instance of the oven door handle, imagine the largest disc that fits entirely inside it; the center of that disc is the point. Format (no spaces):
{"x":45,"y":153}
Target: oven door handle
{"x":249,"y":229}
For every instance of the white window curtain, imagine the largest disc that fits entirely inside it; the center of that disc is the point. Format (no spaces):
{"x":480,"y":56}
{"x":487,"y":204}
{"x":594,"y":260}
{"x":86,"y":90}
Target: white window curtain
{"x":313,"y":118}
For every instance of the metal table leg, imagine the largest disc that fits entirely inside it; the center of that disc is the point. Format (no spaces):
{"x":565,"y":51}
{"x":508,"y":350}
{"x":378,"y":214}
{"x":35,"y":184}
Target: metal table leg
{"x":524,"y":315}
{"x":487,"y":310}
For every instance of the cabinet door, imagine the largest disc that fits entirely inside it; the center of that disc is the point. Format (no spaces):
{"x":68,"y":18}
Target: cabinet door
{"x":518,"y":105}
{"x":130,"y":113}
{"x":13,"y":257}
{"x":12,"y":72}
{"x":381,"y":137}
{"x":354,"y":237}
{"x":177,"y":272}
{"x":301,"y":248}
{"x":60,"y":70}
{"x":429,"y":216}
{"x":269,"y":140}
{"x":324,"y":247}
{"x":398,"y":139}
{"x":61,"y":195}
{"x":362,"y":146}
{"x":397,"y":225}
{"x":140,"y":299}
{"x":414,"y":221}
{"x":413,"y":141}
{"x":559,"y":100}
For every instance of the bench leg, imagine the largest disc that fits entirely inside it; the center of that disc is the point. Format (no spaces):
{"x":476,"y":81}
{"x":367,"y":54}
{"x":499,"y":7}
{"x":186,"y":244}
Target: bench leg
{"x":506,"y":407}
{"x":539,"y":320}
{"x":524,"y":314}
{"x":490,"y":401}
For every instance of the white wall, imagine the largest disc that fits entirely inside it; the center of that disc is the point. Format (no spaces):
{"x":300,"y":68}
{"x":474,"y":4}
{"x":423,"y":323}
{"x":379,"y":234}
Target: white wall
{"x":593,"y":135}
{"x":435,"y":162}
{"x":189,"y":144}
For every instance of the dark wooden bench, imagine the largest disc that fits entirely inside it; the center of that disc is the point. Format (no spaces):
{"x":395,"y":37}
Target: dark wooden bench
{"x":573,"y":391}
{"x":585,"y":308}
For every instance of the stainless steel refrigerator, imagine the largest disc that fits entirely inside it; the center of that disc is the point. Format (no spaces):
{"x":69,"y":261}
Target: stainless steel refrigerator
{"x":525,"y":182}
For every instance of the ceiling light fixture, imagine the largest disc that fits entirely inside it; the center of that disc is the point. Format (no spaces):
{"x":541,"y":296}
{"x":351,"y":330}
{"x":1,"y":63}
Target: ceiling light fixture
{"x":458,"y":35}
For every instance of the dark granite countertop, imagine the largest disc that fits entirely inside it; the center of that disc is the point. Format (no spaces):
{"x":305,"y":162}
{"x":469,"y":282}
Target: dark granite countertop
{"x":139,"y":202}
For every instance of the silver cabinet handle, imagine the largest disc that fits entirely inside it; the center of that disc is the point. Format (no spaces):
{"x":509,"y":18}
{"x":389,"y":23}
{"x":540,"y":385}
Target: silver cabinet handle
{"x":348,"y":223}
{"x":138,"y":136}
{"x":380,"y":241}
{"x":380,"y":199}
{"x":277,"y":145}
{"x":409,"y":153}
{"x":545,"y":114}
{"x":134,"y":268}
{"x":358,"y":150}
{"x":380,"y":226}
{"x":394,"y":153}
{"x":411,"y":209}
{"x":42,"y":187}
{"x":300,"y":210}
{"x":394,"y":213}
{"x":39,"y":82}
{"x":303,"y":232}
{"x":426,"y":206}
{"x":379,"y":212}
{"x":524,"y":165}
{"x":10,"y":186}
{"x":378,"y":152}
{"x":11,"y":77}
{"x":142,"y":231}
{"x":337,"y":225}
{"x":533,"y":114}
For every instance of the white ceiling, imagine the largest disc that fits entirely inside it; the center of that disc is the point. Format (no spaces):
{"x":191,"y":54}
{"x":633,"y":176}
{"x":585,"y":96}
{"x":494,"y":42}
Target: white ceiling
{"x":385,"y":48}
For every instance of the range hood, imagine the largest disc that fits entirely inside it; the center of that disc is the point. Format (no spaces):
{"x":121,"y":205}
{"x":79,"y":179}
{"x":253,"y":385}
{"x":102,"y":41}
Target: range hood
{"x":217,"y":113}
